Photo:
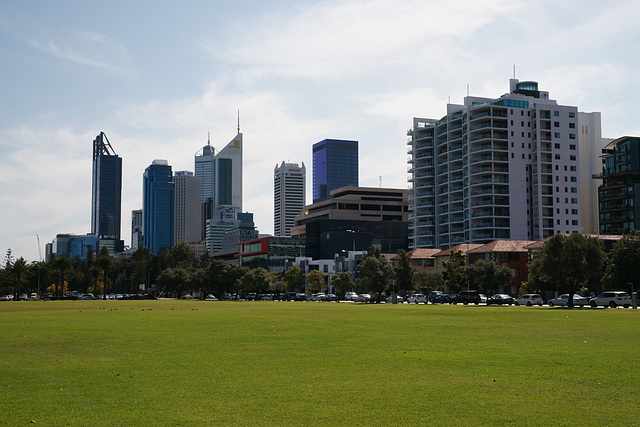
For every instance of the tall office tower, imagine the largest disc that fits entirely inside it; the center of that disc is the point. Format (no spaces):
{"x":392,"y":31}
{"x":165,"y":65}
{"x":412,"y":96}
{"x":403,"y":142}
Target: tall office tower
{"x":221,"y":176}
{"x":335,"y":165}
{"x":157,"y":210}
{"x":619,"y":192}
{"x":106,"y":193}
{"x":137,"y":240}
{"x":495,"y":168}
{"x":187,"y":213}
{"x":289,"y":181}
{"x":223,"y":220}
{"x":590,"y":145}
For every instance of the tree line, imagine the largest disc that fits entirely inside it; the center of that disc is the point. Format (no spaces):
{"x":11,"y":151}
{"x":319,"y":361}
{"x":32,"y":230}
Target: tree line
{"x":564,"y":263}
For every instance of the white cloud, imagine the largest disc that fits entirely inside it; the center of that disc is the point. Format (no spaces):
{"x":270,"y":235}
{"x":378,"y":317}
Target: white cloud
{"x":88,"y":48}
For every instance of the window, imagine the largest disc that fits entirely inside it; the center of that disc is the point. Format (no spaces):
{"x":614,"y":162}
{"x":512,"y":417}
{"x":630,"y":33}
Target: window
{"x":565,"y":179}
{"x":556,"y":113}
{"x":572,"y":157}
{"x":572,"y":114}
{"x":573,"y":179}
{"x":573,"y":168}
{"x":574,"y":201}
{"x":574,"y":222}
{"x":556,"y":124}
{"x":556,"y":146}
{"x":556,"y":134}
{"x":572,"y":146}
{"x":572,"y":125}
{"x":574,"y":189}
{"x":572,"y":136}
{"x":574,"y":211}
{"x":557,"y":156}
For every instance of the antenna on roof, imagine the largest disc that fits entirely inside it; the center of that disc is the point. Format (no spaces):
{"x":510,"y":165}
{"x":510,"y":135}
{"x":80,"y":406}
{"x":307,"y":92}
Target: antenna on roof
{"x":514,"y":71}
{"x":380,"y":181}
{"x":467,"y":89}
{"x":238,"y":121}
{"x":209,"y":138}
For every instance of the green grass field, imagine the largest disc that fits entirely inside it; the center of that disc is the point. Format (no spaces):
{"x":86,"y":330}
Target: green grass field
{"x":293,"y":363}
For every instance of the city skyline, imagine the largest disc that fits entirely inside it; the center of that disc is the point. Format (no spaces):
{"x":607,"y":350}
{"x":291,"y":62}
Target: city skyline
{"x":298,"y":74}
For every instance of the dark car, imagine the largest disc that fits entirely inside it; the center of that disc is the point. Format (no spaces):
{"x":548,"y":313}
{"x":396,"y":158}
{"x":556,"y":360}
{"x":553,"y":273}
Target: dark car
{"x":442,"y":299}
{"x":330,"y":298}
{"x":467,"y":297}
{"x":378,"y":298}
{"x":501,"y":299}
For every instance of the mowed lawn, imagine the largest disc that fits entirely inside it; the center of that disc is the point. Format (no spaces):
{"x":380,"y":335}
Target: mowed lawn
{"x":307,"y":363}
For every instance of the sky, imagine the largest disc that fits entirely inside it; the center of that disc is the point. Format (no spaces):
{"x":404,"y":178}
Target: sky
{"x":157,"y":77}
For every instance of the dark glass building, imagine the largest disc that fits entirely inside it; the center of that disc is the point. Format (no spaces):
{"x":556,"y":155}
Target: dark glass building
{"x":335,"y":165}
{"x":619,"y":194}
{"x":106,"y":192}
{"x":157,"y":211}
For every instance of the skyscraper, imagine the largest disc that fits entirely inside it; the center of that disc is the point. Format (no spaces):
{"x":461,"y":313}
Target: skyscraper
{"x":335,"y":165}
{"x":221,"y":176}
{"x":137,"y":240}
{"x":187,"y":214}
{"x":106,"y":193}
{"x":289,"y":181}
{"x":157,"y":211}
{"x":495,"y":168}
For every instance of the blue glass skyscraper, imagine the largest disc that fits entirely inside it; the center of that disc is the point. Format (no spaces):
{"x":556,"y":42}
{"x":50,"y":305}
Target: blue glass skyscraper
{"x":157,"y":217}
{"x":335,"y":165}
{"x":106,"y":191}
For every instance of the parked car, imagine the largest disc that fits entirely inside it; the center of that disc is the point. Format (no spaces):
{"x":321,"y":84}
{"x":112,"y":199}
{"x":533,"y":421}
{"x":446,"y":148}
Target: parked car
{"x":300,"y":297}
{"x":187,"y":296}
{"x":378,"y":298}
{"x":317,"y":297}
{"x":433,"y":294}
{"x":611,"y":299}
{"x":483,"y":298}
{"x":442,"y":299}
{"x":529,"y":300}
{"x":87,"y":297}
{"x":501,"y":299}
{"x":417,"y":298}
{"x":399,"y":299}
{"x":351,"y":296}
{"x":563,"y":300}
{"x":363,"y":298}
{"x":210,"y":297}
{"x":330,"y":298}
{"x":467,"y":297}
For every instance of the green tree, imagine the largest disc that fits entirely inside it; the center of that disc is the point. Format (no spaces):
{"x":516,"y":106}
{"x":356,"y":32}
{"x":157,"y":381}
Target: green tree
{"x":316,"y":281}
{"x":485,"y":275}
{"x":182,"y":255}
{"x":257,"y":279}
{"x":278,"y":286}
{"x":375,"y":272}
{"x":565,"y":262}
{"x":342,"y":282}
{"x":18,"y":272}
{"x":455,"y":276}
{"x":293,"y":278}
{"x":104,"y":263}
{"x":61,"y":266}
{"x":427,"y":281}
{"x":623,"y":265}
{"x":404,"y":272}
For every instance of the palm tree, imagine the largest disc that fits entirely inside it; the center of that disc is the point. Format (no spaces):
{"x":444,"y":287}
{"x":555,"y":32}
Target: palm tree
{"x":104,"y":263}
{"x":18,"y":270}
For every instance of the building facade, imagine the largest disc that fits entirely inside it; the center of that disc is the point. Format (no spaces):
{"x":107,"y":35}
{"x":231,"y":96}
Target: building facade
{"x":353,"y":219}
{"x":157,"y":210}
{"x":495,"y":168}
{"x":335,"y":165}
{"x":619,"y":192}
{"x":271,"y":253}
{"x":137,"y":240}
{"x":221,"y":175}
{"x":289,"y":184}
{"x":187,"y":212}
{"x":106,"y":193}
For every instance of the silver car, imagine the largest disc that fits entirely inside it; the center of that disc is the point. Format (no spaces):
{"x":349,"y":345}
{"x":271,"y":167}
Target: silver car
{"x":563,"y":300}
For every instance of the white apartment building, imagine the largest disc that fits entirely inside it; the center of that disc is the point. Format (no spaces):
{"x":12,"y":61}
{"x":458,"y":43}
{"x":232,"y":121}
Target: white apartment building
{"x":495,"y":168}
{"x":289,"y":183}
